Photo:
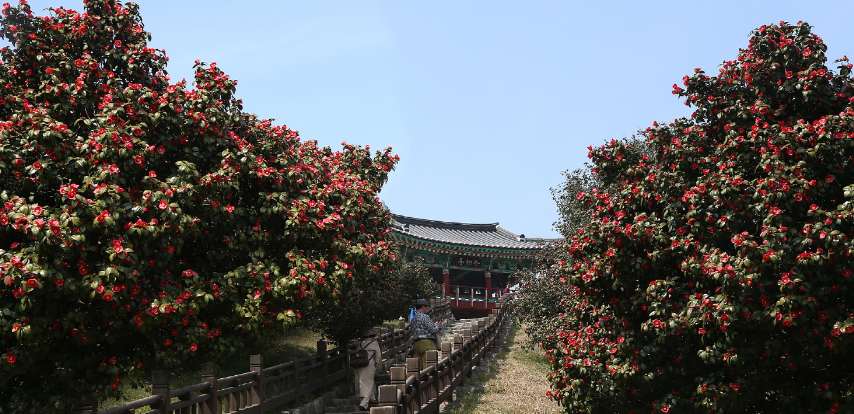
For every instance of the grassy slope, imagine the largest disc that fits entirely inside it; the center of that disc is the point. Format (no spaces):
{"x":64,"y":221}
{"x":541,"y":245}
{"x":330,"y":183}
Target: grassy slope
{"x":515,"y":382}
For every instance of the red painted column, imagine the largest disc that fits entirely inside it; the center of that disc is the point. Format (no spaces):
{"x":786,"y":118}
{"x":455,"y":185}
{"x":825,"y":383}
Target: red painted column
{"x":446,"y":281}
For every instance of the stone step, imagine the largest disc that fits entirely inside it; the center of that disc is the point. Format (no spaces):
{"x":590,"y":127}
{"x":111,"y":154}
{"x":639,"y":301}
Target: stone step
{"x":346,"y":401}
{"x":344,"y":409}
{"x":349,"y":405}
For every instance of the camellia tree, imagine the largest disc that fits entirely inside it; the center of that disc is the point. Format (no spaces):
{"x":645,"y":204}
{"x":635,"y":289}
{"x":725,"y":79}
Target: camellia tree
{"x":145,"y":223}
{"x":714,"y":271}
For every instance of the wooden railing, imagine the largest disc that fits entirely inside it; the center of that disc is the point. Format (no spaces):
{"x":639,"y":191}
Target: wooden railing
{"x":262,"y":388}
{"x":476,"y":297}
{"x":423,"y":391}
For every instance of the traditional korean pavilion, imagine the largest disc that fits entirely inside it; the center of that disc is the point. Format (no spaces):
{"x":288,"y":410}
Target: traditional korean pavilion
{"x":473,"y":262}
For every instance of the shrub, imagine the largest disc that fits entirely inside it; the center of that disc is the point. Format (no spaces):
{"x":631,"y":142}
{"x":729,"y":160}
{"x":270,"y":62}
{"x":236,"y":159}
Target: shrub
{"x":144,"y":223}
{"x":714,"y":270}
{"x":542,"y":297}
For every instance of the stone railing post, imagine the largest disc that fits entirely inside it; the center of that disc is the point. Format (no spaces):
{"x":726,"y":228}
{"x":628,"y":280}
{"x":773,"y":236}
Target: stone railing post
{"x":400,"y":340}
{"x":412,"y":369}
{"x":295,"y":380}
{"x":458,"y":347}
{"x":256,"y":393}
{"x":398,"y":378}
{"x":160,"y":386}
{"x":387,"y":397}
{"x":384,"y":410}
{"x":447,"y":349}
{"x":447,"y":354}
{"x":324,"y":362}
{"x":209,"y":374}
{"x":389,"y":345}
{"x":433,"y":362}
{"x":468,"y":354}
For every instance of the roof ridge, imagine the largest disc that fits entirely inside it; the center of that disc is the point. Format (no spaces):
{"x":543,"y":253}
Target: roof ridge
{"x":445,"y":224}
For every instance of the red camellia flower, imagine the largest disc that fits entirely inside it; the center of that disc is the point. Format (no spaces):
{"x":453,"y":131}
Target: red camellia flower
{"x":32,"y":283}
{"x":11,"y":359}
{"x":194,"y":347}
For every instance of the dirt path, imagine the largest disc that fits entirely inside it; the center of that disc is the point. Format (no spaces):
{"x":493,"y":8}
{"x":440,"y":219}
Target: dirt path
{"x":515,"y":382}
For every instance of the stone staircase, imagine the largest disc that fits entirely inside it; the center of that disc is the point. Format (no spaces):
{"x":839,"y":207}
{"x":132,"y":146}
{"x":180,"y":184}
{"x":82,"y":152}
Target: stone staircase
{"x":332,"y":402}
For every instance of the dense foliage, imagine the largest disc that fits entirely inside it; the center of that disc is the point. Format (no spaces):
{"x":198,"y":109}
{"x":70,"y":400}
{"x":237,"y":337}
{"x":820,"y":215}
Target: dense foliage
{"x":714,"y":271}
{"x":144,"y":223}
{"x":542,"y":297}
{"x":372,"y":302}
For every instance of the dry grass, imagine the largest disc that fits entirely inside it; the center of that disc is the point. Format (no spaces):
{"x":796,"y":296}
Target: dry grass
{"x":515,"y":383}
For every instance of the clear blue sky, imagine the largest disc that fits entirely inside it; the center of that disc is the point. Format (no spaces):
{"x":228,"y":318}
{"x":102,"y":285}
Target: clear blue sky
{"x":486,"y":102}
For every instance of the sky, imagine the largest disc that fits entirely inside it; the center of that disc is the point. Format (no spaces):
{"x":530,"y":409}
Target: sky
{"x":486,"y":102}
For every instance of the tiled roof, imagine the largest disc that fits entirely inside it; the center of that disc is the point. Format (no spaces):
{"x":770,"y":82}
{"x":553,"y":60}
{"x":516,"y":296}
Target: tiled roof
{"x":484,"y":235}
